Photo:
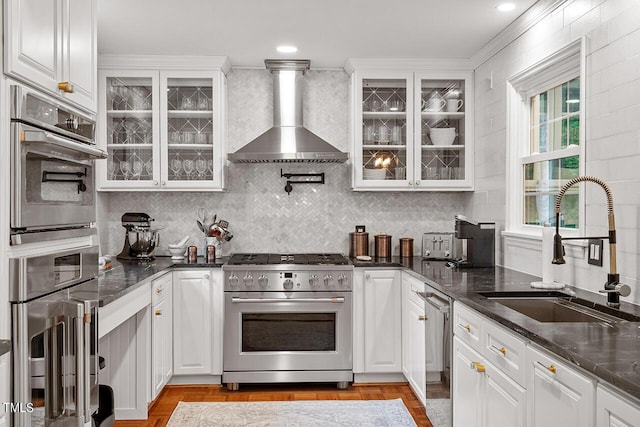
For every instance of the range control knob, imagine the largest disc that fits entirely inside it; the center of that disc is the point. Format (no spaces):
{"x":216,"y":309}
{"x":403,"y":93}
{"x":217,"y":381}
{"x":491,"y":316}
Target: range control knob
{"x":233,"y":280}
{"x":248,"y":280}
{"x":288,"y":284}
{"x":343,"y":280}
{"x":263,"y":281}
{"x":328,"y":280}
{"x":313,"y":280}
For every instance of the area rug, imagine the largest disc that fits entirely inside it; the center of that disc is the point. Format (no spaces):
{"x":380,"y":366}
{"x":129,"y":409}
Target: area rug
{"x":439,"y":412}
{"x":312,"y":413}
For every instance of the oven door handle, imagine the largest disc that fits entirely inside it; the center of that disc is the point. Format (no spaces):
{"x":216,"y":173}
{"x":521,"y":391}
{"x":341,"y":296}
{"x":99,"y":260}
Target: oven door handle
{"x":286,"y":300}
{"x":42,"y":136}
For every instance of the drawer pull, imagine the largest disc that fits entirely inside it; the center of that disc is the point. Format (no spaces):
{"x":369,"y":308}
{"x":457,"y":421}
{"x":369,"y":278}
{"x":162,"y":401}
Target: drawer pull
{"x":499,"y":350}
{"x":466,"y":327}
{"x":551,"y":368}
{"x":478,"y":367}
{"x":422,"y":318}
{"x":159,"y":290}
{"x":158,"y":312}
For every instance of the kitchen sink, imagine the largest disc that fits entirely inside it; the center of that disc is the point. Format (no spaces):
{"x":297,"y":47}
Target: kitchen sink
{"x":554,"y":306}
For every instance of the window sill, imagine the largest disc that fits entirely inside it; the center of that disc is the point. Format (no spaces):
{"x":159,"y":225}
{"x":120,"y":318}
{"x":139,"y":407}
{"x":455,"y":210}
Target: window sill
{"x":573,"y":248}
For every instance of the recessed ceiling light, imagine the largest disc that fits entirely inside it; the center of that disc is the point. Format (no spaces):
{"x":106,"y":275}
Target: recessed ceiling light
{"x":287,"y":49}
{"x":506,"y":7}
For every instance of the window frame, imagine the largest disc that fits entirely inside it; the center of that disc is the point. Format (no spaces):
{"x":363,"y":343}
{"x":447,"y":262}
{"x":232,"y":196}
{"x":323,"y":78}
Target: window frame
{"x":558,"y":68}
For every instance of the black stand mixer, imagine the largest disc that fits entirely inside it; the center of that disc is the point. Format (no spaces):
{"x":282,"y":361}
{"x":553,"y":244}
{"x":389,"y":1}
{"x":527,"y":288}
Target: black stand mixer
{"x":139,"y":240}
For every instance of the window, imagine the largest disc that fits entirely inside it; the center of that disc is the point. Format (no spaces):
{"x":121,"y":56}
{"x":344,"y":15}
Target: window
{"x":553,"y":157}
{"x":545,"y":142}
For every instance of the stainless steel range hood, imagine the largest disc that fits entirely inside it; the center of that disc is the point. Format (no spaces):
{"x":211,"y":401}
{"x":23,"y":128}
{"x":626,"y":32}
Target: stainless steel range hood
{"x":288,"y":140}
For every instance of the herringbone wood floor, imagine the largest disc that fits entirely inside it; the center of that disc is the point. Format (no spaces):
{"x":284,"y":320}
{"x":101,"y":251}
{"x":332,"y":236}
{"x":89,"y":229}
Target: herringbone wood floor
{"x":162,"y":408}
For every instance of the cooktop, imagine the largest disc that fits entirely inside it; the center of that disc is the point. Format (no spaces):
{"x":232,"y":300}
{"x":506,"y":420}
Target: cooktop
{"x":288,"y":258}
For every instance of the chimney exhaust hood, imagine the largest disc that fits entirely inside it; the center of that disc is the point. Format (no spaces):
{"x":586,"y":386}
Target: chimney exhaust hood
{"x":288,"y":141}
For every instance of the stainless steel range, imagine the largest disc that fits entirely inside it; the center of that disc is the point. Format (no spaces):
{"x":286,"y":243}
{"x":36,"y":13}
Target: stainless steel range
{"x":288,"y":318}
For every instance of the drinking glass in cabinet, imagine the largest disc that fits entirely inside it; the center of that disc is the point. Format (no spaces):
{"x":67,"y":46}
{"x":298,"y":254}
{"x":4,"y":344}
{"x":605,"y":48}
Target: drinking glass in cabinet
{"x":176,"y":167}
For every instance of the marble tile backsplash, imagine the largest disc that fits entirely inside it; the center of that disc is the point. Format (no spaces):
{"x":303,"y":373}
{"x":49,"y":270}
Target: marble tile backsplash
{"x":262,"y":217}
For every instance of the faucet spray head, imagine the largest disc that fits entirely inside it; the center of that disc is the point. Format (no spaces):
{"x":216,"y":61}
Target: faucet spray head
{"x":558,"y":249}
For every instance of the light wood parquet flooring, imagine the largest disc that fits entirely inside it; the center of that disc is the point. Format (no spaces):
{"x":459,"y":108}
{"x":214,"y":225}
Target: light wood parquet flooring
{"x":161,"y":409}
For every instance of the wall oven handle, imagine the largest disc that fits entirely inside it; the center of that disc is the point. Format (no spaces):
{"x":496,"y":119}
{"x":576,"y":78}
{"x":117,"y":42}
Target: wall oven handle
{"x":285,"y":300}
{"x":42,"y":136}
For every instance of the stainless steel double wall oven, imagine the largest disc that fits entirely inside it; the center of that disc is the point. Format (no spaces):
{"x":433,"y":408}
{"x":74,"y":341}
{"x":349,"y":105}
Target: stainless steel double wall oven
{"x":54,"y":303}
{"x":288,"y":318}
{"x":52,"y":168}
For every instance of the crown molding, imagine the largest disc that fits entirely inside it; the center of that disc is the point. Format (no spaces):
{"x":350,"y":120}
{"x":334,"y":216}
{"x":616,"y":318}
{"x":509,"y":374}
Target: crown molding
{"x":168,"y":62}
{"x":414,"y":64}
{"x":522,"y":24}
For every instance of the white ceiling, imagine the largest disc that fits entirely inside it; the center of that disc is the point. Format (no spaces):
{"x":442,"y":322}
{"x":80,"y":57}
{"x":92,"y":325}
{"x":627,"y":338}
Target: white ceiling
{"x":325,"y":31}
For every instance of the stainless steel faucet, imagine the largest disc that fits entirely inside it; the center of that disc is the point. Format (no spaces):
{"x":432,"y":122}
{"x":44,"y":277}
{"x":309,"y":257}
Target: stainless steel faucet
{"x":612,"y":287}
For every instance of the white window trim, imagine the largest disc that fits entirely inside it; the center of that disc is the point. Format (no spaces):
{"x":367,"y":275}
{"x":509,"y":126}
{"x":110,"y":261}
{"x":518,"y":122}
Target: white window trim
{"x":520,"y":88}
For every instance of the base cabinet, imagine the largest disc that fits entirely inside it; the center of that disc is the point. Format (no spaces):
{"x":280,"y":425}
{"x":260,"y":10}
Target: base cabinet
{"x":197,"y":326}
{"x":382,"y":321}
{"x":613,"y":410}
{"x":161,"y":333}
{"x":413,"y":336}
{"x":558,"y":394}
{"x":482,"y":395}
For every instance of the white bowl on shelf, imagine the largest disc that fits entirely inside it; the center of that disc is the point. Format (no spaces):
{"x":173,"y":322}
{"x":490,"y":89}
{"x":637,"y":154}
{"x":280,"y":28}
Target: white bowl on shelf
{"x":443,"y":136}
{"x":374,"y":174}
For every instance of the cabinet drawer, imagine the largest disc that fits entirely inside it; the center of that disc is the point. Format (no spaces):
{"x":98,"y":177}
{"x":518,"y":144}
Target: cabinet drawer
{"x":159,"y":289}
{"x":467,"y":325}
{"x":506,"y":351}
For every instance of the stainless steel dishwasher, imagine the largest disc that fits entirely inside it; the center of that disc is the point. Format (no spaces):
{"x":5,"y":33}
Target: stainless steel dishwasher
{"x":438,"y":341}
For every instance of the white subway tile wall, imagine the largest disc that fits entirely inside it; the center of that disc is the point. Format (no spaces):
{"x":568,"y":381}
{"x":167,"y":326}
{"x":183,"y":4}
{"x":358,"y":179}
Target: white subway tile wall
{"x":262,"y":217}
{"x":612,"y":133}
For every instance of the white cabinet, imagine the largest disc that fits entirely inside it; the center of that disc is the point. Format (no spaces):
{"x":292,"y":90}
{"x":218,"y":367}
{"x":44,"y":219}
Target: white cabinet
{"x":413,"y":336}
{"x":197,"y":322}
{"x":161,"y":333}
{"x":613,"y":410}
{"x":382,"y":321}
{"x":163,"y":126}
{"x":411,"y":130}
{"x":558,"y":394}
{"x":5,"y":382}
{"x":52,"y":44}
{"x":482,"y":395}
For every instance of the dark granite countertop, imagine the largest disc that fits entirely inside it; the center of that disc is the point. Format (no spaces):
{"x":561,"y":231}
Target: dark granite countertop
{"x":5,"y":347}
{"x":609,"y":351}
{"x":126,"y":276}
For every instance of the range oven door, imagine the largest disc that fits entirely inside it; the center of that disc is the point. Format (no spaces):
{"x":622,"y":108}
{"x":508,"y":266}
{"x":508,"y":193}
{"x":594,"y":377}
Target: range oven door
{"x":52,"y":344}
{"x":52,"y":179}
{"x":287,"y":331}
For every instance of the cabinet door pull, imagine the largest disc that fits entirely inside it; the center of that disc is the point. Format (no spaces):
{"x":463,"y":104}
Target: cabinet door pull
{"x":422,"y":318}
{"x":551,"y":368}
{"x":478,"y":367}
{"x":159,"y":290}
{"x":368,"y":276}
{"x":465,"y":327}
{"x":158,"y":313}
{"x":66,"y":87}
{"x":499,"y":350}
{"x":206,"y":276}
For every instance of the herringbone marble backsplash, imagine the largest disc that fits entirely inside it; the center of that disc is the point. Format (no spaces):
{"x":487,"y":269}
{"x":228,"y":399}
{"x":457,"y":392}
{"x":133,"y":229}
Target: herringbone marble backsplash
{"x":262,"y":217}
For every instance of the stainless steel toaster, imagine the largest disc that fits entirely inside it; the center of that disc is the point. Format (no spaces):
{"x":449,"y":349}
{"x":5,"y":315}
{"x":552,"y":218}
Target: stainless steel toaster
{"x":438,"y":246}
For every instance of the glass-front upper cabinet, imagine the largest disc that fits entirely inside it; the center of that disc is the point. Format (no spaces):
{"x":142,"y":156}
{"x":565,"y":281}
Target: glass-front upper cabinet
{"x":444,"y":130}
{"x":163,"y":130}
{"x":412,"y":130}
{"x":383,"y":149}
{"x":192,"y":157}
{"x":130,"y":123}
